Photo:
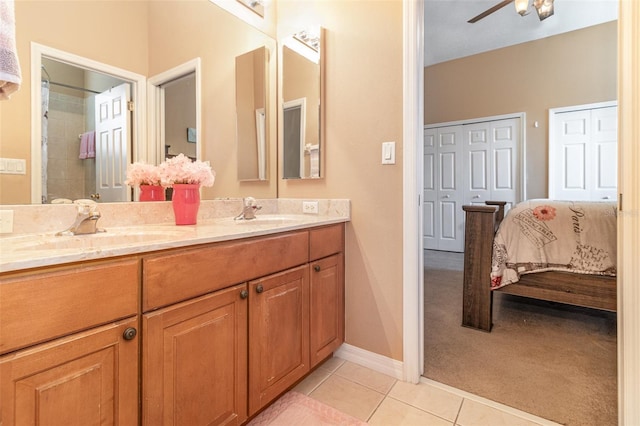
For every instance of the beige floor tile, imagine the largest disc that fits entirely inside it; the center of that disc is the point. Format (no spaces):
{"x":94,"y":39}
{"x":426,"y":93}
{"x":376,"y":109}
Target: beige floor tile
{"x":396,"y":413}
{"x":428,"y":398}
{"x":365,"y":376}
{"x":312,"y":381}
{"x":476,"y":414}
{"x":332,"y":364}
{"x":348,"y":397}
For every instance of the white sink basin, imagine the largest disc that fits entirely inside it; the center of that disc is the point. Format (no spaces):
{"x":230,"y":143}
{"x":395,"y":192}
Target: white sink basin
{"x":111,"y":238}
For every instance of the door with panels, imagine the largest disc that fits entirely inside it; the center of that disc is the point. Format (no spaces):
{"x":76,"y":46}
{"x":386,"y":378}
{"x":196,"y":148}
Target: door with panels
{"x":443,"y":195}
{"x":491,"y":161}
{"x":583,"y":153}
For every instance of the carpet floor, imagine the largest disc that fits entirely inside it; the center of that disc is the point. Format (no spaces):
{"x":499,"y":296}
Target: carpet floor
{"x":552,"y":360}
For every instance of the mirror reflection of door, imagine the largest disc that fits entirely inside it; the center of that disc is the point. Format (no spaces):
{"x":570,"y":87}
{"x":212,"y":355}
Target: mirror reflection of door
{"x":301,"y":81}
{"x":293,"y":139}
{"x":68,"y":131}
{"x":111,"y":142}
{"x":179,"y":112}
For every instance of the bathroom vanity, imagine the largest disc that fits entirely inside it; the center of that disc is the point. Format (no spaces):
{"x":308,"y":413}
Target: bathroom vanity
{"x":201,"y":328}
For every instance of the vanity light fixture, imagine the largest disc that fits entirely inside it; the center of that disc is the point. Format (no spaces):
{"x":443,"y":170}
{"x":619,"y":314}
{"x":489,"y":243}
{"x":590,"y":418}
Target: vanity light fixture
{"x":310,"y":38}
{"x":256,"y":6}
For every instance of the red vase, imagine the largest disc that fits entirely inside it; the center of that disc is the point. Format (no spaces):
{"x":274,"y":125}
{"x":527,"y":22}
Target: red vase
{"x":186,"y":202}
{"x":151,"y":193}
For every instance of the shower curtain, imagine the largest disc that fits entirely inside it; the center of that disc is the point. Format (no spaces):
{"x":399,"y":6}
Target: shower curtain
{"x":44,"y":155}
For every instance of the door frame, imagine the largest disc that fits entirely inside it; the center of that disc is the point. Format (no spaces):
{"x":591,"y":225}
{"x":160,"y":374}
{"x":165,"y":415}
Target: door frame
{"x":294,"y":104}
{"x":155,"y":101}
{"x":138,"y":96}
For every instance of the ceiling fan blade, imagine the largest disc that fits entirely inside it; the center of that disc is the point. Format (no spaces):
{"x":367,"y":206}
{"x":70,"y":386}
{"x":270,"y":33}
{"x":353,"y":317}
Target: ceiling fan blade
{"x":489,"y":11}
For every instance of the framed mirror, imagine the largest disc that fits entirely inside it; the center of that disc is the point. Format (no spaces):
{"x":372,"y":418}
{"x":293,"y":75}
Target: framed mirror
{"x":133,"y":54}
{"x":251,"y":114}
{"x":301,"y":109}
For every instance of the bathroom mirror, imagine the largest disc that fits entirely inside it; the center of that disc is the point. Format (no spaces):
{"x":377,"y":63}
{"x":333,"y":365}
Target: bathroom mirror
{"x":251,"y":114}
{"x":165,"y":41}
{"x":301,"y":109}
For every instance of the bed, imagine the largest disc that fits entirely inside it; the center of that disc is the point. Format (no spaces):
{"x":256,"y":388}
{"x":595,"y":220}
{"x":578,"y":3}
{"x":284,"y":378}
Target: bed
{"x":559,"y":251}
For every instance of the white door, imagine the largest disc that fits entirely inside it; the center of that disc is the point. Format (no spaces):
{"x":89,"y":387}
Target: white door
{"x":491,"y":161}
{"x":112,"y":143}
{"x":583,"y":154}
{"x":443,"y":214}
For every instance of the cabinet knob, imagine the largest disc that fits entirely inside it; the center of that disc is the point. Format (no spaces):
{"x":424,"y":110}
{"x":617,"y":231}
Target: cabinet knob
{"x":316,"y":268}
{"x":129,"y":333}
{"x":244,"y":294}
{"x":259,"y":288}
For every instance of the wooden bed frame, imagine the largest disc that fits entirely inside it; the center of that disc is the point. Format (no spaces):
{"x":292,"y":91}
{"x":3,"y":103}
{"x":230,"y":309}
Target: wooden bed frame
{"x":482,"y":221}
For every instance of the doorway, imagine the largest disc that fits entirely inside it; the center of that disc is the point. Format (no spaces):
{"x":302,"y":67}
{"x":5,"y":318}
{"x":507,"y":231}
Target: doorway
{"x":50,"y":69}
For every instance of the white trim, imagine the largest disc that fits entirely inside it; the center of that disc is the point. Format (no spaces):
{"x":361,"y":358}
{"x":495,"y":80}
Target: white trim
{"x":371,"y":360}
{"x":595,"y":105}
{"x":520,"y":115}
{"x":155,"y":148}
{"x":412,"y":172}
{"x":138,"y":96}
{"x":629,"y":216}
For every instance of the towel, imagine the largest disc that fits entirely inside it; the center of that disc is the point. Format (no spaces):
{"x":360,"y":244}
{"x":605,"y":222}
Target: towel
{"x":10,"y":77}
{"x":87,"y":145}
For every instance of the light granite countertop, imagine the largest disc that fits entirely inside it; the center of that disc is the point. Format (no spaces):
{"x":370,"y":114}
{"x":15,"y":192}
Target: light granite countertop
{"x":41,"y":247}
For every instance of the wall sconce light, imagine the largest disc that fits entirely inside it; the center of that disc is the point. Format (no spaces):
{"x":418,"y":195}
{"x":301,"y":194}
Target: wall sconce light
{"x":522,"y":6}
{"x":544,"y":8}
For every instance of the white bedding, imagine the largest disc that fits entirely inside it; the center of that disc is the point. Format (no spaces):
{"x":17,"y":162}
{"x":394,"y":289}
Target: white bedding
{"x":546,"y":235}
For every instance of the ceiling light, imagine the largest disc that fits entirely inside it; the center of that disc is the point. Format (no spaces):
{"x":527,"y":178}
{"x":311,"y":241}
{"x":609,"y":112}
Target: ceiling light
{"x":544,"y":8}
{"x":522,"y":6}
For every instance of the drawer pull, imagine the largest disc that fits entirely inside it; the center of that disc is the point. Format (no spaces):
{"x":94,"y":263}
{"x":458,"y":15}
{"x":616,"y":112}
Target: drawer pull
{"x":316,"y":268}
{"x":259,"y":288}
{"x":244,"y":294}
{"x":130,"y":333}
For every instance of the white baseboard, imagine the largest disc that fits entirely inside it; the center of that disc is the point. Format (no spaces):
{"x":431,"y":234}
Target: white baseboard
{"x":372,"y":360}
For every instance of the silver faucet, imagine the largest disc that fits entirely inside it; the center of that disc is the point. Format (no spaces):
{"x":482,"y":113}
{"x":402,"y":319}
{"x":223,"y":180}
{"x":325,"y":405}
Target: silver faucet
{"x":249,"y":208}
{"x":86,"y":220}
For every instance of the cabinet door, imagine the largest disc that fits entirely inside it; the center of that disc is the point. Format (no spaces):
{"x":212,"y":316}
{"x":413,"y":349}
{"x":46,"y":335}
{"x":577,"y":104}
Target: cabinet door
{"x":194,"y":361}
{"x":326,"y":307}
{"x":89,"y":378}
{"x":279,"y":334}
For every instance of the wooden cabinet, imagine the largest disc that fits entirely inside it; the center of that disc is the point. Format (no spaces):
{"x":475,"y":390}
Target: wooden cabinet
{"x":326,"y":308}
{"x":194,"y":361}
{"x":278,"y":334}
{"x":89,"y":378}
{"x":69,"y":338}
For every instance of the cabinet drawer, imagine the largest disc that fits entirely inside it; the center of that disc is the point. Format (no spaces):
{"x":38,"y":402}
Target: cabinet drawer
{"x":326,"y":241}
{"x":171,"y":278}
{"x":49,"y":304}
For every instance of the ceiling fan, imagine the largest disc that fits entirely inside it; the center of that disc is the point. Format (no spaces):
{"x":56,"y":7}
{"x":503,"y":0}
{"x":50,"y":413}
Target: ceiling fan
{"x":544,"y":8}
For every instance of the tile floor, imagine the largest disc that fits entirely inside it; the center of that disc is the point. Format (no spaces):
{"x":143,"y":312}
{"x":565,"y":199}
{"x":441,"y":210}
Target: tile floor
{"x":379,"y":399}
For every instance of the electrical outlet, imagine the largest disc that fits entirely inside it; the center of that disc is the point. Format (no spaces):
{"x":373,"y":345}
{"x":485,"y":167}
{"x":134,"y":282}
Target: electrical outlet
{"x":310,"y":207}
{"x":6,"y":221}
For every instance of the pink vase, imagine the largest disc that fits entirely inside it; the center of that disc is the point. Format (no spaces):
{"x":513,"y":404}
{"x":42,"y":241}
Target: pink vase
{"x":151,"y":193}
{"x":186,"y":202}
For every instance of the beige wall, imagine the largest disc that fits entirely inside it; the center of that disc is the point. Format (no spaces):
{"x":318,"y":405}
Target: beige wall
{"x":80,"y":27}
{"x":363,"y":107}
{"x":575,"y":68}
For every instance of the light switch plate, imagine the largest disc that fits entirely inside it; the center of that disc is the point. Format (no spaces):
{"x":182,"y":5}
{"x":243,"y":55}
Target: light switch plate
{"x":388,"y":153}
{"x":6,"y":221}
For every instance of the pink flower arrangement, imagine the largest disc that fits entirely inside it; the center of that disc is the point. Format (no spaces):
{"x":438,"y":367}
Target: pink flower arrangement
{"x":180,"y":169}
{"x":140,"y":173}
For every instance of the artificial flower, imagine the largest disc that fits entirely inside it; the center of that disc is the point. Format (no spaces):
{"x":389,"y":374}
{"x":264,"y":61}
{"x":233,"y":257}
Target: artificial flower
{"x":181,"y":169}
{"x":140,"y":173}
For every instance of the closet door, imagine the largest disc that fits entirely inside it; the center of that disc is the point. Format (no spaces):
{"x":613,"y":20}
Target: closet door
{"x":491,"y":161}
{"x":583,"y":154}
{"x":443,"y":215}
